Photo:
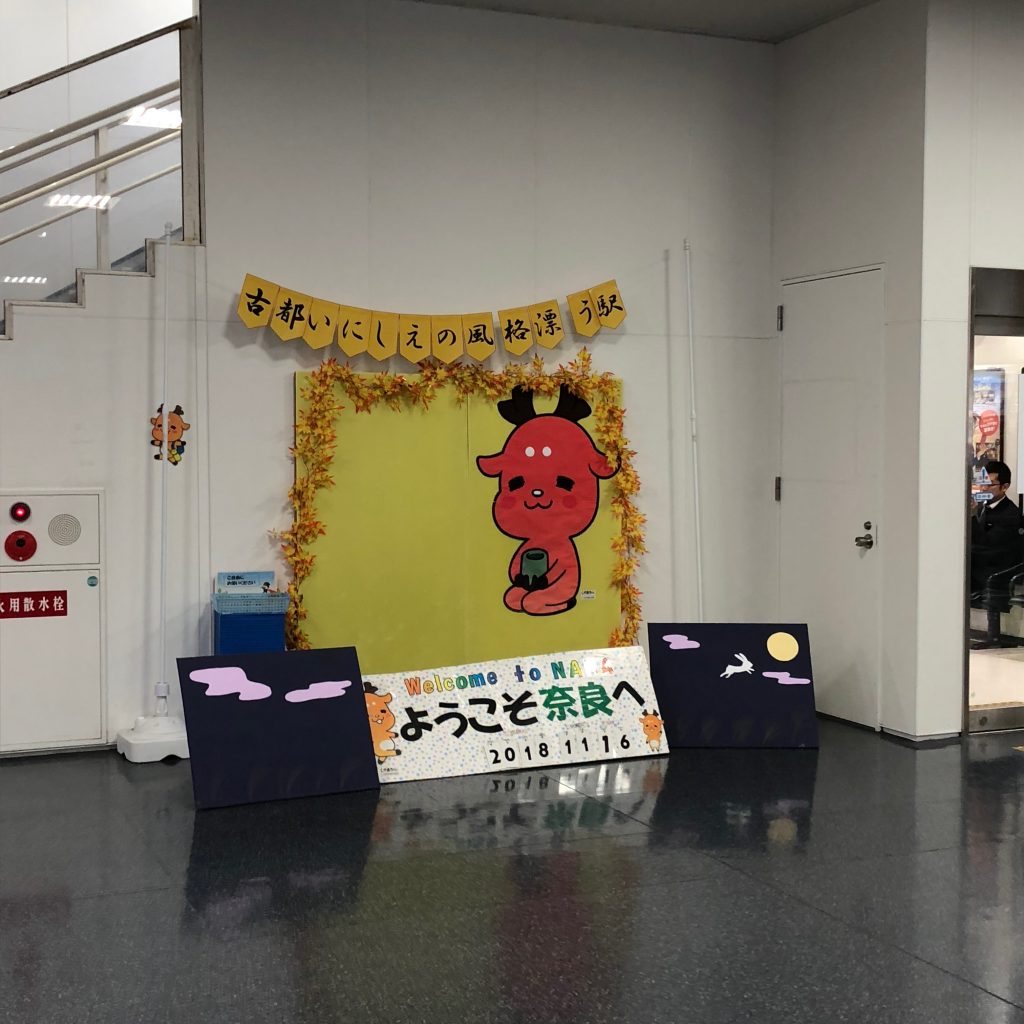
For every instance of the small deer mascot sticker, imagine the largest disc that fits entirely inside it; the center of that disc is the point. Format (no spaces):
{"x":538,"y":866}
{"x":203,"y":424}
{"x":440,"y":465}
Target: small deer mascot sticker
{"x":548,"y":473}
{"x":176,"y":426}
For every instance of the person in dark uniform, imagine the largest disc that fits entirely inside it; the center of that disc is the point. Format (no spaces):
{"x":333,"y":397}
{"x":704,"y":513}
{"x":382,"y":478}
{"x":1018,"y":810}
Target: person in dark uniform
{"x":997,"y":529}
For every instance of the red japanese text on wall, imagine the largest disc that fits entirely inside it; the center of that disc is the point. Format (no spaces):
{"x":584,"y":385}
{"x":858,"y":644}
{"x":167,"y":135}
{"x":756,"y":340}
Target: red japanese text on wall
{"x":33,"y":604}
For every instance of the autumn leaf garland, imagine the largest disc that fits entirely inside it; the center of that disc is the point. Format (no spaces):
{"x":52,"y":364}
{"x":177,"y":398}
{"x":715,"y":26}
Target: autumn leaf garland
{"x":316,"y":440}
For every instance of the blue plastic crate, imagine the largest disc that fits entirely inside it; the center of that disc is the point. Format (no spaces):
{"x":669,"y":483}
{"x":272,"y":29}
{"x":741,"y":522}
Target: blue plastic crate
{"x":235,"y":633}
{"x":251,"y":604}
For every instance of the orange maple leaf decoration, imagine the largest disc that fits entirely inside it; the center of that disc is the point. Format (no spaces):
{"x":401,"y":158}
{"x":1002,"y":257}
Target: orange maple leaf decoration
{"x":316,"y":440}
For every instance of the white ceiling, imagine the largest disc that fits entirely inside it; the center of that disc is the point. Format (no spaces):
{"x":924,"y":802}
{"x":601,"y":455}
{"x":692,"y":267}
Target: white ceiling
{"x":768,"y":21}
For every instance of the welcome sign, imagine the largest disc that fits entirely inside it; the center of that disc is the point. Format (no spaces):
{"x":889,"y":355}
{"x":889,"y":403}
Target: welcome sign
{"x":531,"y":712}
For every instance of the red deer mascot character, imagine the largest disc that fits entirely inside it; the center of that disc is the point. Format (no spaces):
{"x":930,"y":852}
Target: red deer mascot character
{"x":548,"y":474}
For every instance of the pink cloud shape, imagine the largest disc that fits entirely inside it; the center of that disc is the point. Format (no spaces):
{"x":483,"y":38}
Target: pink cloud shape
{"x":223,"y":682}
{"x":319,"y":691}
{"x":785,"y":679}
{"x":678,"y":642}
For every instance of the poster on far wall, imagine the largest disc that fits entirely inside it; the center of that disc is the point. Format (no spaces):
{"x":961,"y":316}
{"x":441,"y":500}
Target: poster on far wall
{"x":275,"y":725}
{"x":729,"y":684}
{"x":530,"y":712}
{"x":987,"y":418}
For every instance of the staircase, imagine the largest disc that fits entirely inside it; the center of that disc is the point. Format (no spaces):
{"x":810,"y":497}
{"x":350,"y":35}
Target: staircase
{"x":138,"y":263}
{"x":103,"y":182}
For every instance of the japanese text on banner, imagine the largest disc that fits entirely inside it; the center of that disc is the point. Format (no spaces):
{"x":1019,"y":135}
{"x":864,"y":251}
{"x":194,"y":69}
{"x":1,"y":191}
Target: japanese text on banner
{"x":518,"y":713}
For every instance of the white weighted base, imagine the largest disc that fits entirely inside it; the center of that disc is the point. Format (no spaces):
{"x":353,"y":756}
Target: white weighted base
{"x":152,"y":738}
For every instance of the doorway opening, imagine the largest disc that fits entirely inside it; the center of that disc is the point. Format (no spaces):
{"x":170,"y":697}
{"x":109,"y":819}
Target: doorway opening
{"x":994,"y":697}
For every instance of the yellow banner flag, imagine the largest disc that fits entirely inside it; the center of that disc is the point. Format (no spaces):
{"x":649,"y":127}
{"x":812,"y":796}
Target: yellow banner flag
{"x":547,"y":323}
{"x":478,"y":334}
{"x":446,"y":338}
{"x":584,"y":314}
{"x":414,"y":337}
{"x":321,"y":323}
{"x":516,"y":329}
{"x":608,"y":303}
{"x":256,"y":303}
{"x":353,"y":330}
{"x":383,"y":341}
{"x":289,"y":319}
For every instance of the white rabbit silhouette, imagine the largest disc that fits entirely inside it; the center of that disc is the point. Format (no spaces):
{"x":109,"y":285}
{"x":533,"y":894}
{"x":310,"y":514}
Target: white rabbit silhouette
{"x":745,"y":666}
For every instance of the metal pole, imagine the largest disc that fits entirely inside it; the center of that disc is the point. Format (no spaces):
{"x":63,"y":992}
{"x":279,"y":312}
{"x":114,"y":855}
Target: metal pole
{"x":670,"y":380}
{"x":32,"y":228}
{"x":83,"y":170}
{"x":162,"y":686}
{"x":699,"y":561}
{"x":96,"y":57}
{"x":112,"y":115}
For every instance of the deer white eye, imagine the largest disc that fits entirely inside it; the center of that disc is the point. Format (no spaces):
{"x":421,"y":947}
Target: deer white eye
{"x":545,"y":451}
{"x":530,"y":452}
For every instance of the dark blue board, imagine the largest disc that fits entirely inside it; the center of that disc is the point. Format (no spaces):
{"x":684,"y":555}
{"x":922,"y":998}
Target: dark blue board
{"x":728,"y":684}
{"x":276,"y":725}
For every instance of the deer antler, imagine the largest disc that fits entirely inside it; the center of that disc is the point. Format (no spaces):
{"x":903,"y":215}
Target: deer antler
{"x":570,"y":406}
{"x":519,"y":408}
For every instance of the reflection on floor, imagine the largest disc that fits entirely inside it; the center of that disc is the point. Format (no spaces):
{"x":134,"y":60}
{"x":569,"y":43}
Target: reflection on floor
{"x":997,"y":676}
{"x":868,"y":882}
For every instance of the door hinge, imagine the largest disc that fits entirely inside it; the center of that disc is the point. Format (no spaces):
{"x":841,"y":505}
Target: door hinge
{"x":779,"y":318}
{"x":778,"y":487}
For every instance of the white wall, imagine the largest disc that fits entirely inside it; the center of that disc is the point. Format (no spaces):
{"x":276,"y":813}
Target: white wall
{"x":848,"y":193}
{"x":973,"y":216}
{"x":77,"y":390}
{"x":431,"y":159}
{"x":428,"y":158}
{"x":77,"y":387}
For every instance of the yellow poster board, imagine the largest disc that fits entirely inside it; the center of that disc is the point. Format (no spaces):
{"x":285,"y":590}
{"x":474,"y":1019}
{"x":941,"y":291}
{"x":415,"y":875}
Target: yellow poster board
{"x":412,"y":569}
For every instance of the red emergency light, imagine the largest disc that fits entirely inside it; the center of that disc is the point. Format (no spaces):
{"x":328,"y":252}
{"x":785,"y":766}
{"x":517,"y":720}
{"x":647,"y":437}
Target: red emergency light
{"x":20,"y":511}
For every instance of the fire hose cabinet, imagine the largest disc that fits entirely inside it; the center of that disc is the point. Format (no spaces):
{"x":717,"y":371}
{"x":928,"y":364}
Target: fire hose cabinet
{"x":52,"y":691}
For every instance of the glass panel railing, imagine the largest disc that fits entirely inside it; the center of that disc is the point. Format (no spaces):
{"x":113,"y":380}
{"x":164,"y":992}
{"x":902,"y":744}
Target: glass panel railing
{"x":90,"y":167}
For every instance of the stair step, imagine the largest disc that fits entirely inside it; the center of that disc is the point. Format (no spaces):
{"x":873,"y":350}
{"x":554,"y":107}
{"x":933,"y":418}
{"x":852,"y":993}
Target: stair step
{"x":134,"y":262}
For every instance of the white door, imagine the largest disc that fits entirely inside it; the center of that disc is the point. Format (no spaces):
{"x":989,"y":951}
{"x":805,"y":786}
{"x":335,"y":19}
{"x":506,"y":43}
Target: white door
{"x":831,"y":475}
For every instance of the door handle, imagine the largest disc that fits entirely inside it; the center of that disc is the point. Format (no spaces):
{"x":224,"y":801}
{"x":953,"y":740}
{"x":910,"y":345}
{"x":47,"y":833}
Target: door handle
{"x":865,"y":541}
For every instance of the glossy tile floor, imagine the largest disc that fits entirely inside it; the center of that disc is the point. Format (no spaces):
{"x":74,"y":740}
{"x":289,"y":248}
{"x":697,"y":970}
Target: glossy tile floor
{"x":997,"y":676}
{"x":868,"y":882}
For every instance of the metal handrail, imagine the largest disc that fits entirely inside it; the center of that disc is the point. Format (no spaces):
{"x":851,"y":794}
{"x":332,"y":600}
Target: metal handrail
{"x":86,"y":209}
{"x":102,"y":55}
{"x":83,"y":170}
{"x":187,"y":90}
{"x":111,"y":122}
{"x":82,"y":122}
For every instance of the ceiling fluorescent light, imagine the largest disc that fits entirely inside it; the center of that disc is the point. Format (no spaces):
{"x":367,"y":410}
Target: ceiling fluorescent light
{"x":153,"y":117}
{"x":82,"y":202}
